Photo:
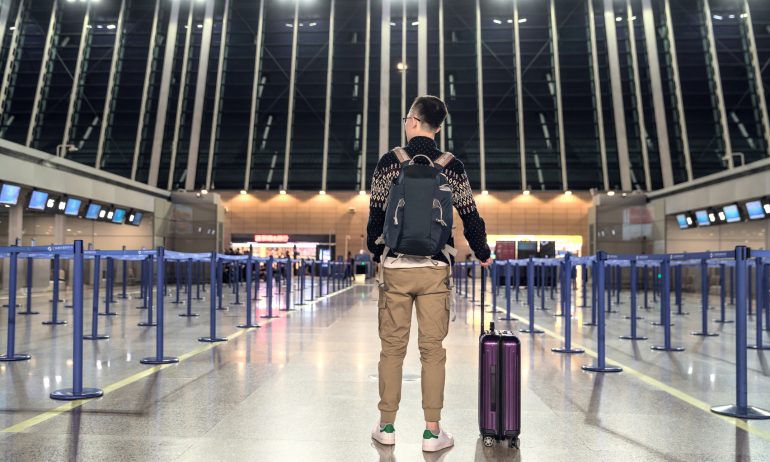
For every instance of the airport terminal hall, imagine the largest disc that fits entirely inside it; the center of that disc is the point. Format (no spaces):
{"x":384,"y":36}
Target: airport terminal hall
{"x":384,"y":230}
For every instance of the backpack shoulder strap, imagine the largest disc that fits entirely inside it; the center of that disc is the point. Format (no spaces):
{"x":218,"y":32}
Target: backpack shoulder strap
{"x":444,"y":160}
{"x":401,"y":154}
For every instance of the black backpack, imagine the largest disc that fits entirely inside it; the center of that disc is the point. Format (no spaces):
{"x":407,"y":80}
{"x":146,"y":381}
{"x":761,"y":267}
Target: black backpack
{"x":418,"y":212}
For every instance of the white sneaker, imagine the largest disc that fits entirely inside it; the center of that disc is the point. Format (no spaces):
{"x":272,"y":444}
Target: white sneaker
{"x":433,"y":443}
{"x":384,"y":434}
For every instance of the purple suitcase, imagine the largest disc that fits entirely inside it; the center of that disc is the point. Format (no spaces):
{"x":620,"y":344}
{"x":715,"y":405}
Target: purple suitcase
{"x":499,"y":383}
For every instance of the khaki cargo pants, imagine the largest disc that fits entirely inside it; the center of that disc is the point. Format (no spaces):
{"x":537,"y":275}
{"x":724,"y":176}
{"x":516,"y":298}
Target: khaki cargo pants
{"x":428,"y":289}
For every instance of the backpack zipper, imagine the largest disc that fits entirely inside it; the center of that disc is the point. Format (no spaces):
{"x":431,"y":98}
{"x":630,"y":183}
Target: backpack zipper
{"x":437,"y":205}
{"x":401,"y":203}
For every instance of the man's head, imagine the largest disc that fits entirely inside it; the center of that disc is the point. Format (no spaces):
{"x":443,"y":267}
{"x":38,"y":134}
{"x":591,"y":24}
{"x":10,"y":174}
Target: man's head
{"x":425,"y":117}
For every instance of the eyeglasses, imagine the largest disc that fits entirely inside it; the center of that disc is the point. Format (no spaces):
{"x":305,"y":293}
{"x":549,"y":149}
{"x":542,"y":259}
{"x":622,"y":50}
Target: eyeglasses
{"x":410,"y":117}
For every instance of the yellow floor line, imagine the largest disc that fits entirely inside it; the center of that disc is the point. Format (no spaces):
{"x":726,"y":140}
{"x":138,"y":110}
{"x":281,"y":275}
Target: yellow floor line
{"x":655,"y":383}
{"x":45,"y":416}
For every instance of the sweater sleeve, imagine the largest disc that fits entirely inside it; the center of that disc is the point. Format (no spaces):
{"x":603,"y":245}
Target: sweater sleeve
{"x":382,"y":179}
{"x":462,"y":198}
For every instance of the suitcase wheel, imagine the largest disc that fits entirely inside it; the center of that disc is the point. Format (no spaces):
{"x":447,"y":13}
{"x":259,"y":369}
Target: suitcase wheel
{"x":514,"y":443}
{"x":489,"y":441}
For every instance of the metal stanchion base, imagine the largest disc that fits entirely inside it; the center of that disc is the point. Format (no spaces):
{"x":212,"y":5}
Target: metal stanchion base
{"x":748,"y":412}
{"x":705,"y":334}
{"x":247,"y":326}
{"x":639,"y":318}
{"x":612,"y":311}
{"x":17,"y":306}
{"x":156,"y":360}
{"x":177,"y":303}
{"x":529,"y":331}
{"x":608,"y":369}
{"x":96,"y":337}
{"x":123,"y":297}
{"x":222,"y":308}
{"x":198,"y":299}
{"x":758,"y":347}
{"x":212,"y":339}
{"x":147,"y":324}
{"x":53,"y":323}
{"x":15,"y":357}
{"x":568,"y":350}
{"x":108,"y":314}
{"x":236,"y":304}
{"x":684,"y":313}
{"x":28,"y":312}
{"x":658,"y":323}
{"x":68,"y":394}
{"x":141,"y":307}
{"x":507,"y":319}
{"x":68,"y":306}
{"x":630,"y":337}
{"x":723,"y":321}
{"x":590,"y":324}
{"x":188,"y":315}
{"x":49,"y":301}
{"x":663,"y":348}
{"x":558,"y":315}
{"x":269,"y":317}
{"x":287,"y":309}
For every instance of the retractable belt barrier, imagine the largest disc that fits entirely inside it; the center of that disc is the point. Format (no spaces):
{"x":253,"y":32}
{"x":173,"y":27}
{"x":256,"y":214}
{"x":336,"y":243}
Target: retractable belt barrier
{"x":153,"y":291}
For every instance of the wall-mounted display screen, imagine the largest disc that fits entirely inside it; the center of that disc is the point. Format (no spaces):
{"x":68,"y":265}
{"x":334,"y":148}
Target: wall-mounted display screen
{"x":702,"y":218}
{"x":73,"y":207}
{"x":137,"y":219}
{"x":37,"y":200}
{"x":732,"y":213}
{"x":9,"y":194}
{"x":119,"y":216}
{"x":755,"y":209}
{"x":93,"y":211}
{"x":681,"y":219}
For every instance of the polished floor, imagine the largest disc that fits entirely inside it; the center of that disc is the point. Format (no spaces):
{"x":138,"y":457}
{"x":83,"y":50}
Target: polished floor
{"x":303,"y":387}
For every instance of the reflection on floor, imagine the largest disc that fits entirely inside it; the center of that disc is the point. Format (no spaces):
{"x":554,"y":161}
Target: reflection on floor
{"x":303,"y":387}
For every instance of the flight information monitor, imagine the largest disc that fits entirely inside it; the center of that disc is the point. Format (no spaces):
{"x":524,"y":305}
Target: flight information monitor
{"x":73,"y":207}
{"x":119,"y":216}
{"x":93,"y":211}
{"x":9,"y":194}
{"x":756,"y":210}
{"x":681,"y":219}
{"x":702,"y":217}
{"x":137,"y":219}
{"x":732,"y":213}
{"x":37,"y":200}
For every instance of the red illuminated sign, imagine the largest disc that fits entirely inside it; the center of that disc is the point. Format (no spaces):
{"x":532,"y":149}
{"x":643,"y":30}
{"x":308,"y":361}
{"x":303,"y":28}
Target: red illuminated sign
{"x":277,"y":238}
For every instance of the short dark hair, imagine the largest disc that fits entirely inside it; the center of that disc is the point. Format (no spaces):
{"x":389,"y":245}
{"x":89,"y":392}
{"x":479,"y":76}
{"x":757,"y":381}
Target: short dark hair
{"x":432,"y":110}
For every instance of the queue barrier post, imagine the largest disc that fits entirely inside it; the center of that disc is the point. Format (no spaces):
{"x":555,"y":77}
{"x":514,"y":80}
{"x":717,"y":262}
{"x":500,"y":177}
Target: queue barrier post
{"x":288,"y":269}
{"x":94,"y":335}
{"x":30,"y":268}
{"x":159,"y":357}
{"x":566,"y":307}
{"x":220,"y":272}
{"x":108,"y":292}
{"x":188,"y":313}
{"x":55,"y":299}
{"x":212,"y":337}
{"x":531,"y":299}
{"x":249,"y":268}
{"x":665,"y":308}
{"x":10,"y":351}
{"x":148,"y":294}
{"x":633,"y":317}
{"x":760,"y":275}
{"x":236,"y":268}
{"x":704,"y":284}
{"x":741,"y":408}
{"x":77,"y":391}
{"x":601,"y":365}
{"x":722,"y":296}
{"x":269,"y":288}
{"x":301,"y":282}
{"x":594,"y":292}
{"x":124,"y":278}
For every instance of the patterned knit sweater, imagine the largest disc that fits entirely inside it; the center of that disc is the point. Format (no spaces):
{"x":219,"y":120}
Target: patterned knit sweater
{"x":386,"y":173}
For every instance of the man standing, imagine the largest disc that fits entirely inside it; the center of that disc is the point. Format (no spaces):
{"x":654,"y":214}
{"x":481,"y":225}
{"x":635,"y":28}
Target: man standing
{"x":421,"y":281}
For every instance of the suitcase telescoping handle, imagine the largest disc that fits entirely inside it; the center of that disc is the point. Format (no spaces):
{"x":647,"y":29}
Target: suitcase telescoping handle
{"x":483,"y":287}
